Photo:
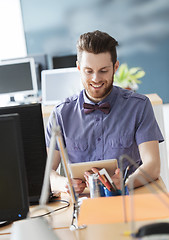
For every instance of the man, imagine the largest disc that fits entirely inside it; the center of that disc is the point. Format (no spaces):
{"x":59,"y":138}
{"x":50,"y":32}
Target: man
{"x":124,"y":125}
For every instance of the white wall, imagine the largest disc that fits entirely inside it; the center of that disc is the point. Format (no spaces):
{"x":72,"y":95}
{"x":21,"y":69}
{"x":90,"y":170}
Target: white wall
{"x":166,"y":129}
{"x":159,"y":113}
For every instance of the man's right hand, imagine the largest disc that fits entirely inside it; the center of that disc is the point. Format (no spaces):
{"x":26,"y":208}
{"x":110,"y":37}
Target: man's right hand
{"x":60,"y":183}
{"x":78,"y":185}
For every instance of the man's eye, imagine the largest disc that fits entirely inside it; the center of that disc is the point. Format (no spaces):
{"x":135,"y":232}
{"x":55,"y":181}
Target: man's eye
{"x":104,"y":71}
{"x":88,"y":71}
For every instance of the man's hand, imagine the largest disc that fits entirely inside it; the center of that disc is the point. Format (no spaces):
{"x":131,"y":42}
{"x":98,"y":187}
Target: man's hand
{"x":115,"y":177}
{"x":78,"y":185}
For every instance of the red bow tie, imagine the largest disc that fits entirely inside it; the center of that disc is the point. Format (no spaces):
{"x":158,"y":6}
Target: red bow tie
{"x":104,"y":107}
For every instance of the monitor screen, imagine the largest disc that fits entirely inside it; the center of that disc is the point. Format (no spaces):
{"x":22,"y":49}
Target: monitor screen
{"x":64,"y":61}
{"x":18,"y":76}
{"x":33,"y":144}
{"x":13,"y":186}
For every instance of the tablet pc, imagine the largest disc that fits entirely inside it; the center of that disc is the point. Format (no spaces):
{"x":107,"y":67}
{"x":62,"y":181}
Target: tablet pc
{"x":78,"y":169}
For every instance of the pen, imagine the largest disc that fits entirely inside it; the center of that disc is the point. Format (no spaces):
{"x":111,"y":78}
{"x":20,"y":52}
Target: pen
{"x":126,"y":174}
{"x":114,"y":186}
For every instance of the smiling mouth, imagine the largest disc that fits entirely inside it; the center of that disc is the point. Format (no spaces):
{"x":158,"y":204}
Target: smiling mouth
{"x":97,"y":86}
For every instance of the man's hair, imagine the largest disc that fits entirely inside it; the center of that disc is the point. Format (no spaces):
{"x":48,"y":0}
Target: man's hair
{"x":97,"y":42}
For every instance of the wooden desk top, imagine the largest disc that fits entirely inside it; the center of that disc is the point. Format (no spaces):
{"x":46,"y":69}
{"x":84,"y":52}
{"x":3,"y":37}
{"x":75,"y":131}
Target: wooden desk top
{"x":154,"y":99}
{"x":62,"y":221}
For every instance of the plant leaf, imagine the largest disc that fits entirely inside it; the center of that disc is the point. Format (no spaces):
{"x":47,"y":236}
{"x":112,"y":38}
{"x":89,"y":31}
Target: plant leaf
{"x":140,"y":74}
{"x":125,"y":77}
{"x":134,"y":70}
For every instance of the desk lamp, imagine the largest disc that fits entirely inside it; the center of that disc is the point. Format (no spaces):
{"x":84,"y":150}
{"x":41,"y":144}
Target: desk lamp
{"x":38,"y":228}
{"x":150,"y":231}
{"x":74,"y":198}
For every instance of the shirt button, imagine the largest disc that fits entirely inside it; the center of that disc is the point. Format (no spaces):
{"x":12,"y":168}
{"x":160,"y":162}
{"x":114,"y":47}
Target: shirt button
{"x":99,"y":139}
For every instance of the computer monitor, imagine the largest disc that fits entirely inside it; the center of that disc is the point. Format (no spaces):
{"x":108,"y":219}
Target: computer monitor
{"x":41,"y":63}
{"x":34,"y":146}
{"x":13,"y":186}
{"x":18,"y":77}
{"x":64,"y":61}
{"x":58,"y":84}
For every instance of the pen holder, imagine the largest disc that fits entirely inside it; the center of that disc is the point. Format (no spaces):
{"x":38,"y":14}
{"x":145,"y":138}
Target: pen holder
{"x":108,"y":193}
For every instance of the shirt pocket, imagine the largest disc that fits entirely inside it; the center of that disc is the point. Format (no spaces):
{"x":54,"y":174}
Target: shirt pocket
{"x":126,"y":141}
{"x":76,"y":145}
{"x":121,"y":141}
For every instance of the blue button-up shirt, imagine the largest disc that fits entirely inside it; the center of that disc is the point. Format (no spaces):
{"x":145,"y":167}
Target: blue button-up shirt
{"x":97,"y":136}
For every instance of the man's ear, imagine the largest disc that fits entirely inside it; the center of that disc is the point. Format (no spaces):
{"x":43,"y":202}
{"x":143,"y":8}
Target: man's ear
{"x":116,"y":66}
{"x":78,"y":65}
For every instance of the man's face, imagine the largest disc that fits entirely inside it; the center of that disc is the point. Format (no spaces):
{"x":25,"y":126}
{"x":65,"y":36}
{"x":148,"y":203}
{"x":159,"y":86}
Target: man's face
{"x":97,"y":73}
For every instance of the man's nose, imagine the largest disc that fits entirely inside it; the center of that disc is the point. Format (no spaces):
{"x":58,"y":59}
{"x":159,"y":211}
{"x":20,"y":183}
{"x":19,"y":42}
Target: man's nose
{"x":95,"y":77}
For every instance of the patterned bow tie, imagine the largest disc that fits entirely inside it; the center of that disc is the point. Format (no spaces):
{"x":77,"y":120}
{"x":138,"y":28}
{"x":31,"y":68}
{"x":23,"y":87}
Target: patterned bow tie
{"x":104,"y":107}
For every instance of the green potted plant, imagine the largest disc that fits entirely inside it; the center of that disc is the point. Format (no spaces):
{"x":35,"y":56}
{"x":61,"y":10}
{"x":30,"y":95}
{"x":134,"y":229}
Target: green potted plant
{"x":128,"y":77}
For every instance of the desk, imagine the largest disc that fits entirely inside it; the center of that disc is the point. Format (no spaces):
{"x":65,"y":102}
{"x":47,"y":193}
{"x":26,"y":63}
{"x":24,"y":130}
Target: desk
{"x":62,"y":221}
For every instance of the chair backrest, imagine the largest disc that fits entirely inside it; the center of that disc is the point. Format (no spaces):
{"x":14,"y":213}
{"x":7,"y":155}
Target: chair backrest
{"x":58,"y":84}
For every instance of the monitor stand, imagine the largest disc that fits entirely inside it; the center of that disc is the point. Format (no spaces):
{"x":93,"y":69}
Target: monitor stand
{"x":7,"y":101}
{"x":13,"y":102}
{"x":18,"y":100}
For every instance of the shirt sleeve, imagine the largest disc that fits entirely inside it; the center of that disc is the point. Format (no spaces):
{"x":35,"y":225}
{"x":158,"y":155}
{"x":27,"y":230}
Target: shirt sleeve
{"x":48,"y":132}
{"x":148,"y":129}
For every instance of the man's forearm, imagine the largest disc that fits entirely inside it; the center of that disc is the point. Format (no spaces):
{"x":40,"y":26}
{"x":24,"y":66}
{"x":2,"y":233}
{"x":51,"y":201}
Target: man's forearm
{"x":149,"y":153}
{"x":57,"y":182}
{"x":143,"y":175}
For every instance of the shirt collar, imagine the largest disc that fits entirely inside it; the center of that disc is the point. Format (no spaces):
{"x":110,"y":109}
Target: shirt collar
{"x":110,"y":98}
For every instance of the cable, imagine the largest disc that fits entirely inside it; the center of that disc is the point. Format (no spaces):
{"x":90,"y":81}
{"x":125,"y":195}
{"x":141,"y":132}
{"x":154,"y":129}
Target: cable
{"x":55,"y":210}
{"x":5,"y":223}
